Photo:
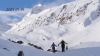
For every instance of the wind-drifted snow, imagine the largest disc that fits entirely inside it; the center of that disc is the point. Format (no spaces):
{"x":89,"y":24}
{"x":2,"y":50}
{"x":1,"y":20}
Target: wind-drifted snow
{"x":77,"y":22}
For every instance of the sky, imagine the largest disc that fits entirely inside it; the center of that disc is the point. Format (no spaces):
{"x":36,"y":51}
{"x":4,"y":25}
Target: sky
{"x":4,"y":4}
{"x":26,"y":4}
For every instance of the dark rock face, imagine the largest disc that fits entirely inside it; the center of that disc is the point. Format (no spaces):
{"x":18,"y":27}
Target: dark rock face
{"x":20,"y":42}
{"x":6,"y":49}
{"x":20,"y":53}
{"x":12,"y":41}
{"x":37,"y":47}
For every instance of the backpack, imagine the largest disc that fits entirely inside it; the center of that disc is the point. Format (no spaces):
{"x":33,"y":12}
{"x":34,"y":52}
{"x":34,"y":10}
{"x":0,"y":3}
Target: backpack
{"x":62,"y":42}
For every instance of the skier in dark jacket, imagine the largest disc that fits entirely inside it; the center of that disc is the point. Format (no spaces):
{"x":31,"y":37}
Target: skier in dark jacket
{"x":53,"y":47}
{"x":62,"y":45}
{"x":20,"y":53}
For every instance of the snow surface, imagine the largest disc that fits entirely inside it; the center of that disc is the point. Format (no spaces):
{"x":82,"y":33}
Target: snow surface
{"x":85,"y":49}
{"x":39,"y":5}
{"x":4,"y":27}
{"x":77,"y":22}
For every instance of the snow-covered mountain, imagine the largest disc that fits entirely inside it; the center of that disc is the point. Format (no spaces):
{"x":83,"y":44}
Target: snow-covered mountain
{"x":68,"y":21}
{"x":38,"y":8}
{"x":77,"y":22}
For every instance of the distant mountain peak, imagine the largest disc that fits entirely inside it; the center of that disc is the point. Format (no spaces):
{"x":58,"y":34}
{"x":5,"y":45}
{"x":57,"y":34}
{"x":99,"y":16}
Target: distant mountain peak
{"x":39,"y":5}
{"x":37,"y":9}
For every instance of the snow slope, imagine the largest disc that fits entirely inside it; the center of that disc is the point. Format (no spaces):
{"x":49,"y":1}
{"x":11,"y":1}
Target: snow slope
{"x":12,"y":49}
{"x":75,"y":22}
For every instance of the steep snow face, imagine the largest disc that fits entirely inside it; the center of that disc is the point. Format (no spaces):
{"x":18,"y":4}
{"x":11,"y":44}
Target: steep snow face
{"x":75,"y":22}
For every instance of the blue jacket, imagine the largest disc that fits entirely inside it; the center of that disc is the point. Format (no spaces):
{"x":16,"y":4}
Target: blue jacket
{"x":53,"y":45}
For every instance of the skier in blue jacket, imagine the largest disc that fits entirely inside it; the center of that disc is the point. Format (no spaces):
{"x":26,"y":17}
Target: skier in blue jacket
{"x":53,"y":47}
